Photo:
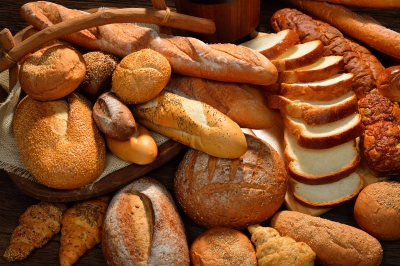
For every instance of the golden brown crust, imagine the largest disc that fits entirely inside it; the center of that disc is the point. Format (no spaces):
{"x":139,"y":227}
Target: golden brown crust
{"x":59,"y":143}
{"x":388,"y":83}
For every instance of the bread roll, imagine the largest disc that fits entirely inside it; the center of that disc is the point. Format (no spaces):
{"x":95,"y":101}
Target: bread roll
{"x":388,"y":83}
{"x":142,"y":227}
{"x":232,"y":193}
{"x":334,"y":243}
{"x":59,"y":143}
{"x":221,"y":246}
{"x":192,"y":123}
{"x":140,"y":76}
{"x":52,"y":72}
{"x":377,"y":210}
{"x":140,"y":148}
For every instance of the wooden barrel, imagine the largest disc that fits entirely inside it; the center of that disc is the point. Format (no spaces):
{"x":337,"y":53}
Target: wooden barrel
{"x":235,"y":20}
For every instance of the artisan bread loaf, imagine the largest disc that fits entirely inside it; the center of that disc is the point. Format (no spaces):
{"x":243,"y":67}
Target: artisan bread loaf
{"x":388,"y":83}
{"x":327,"y":195}
{"x":192,"y":123}
{"x":232,"y":99}
{"x":334,"y":243}
{"x":319,"y":166}
{"x":59,"y":142}
{"x":140,"y":76}
{"x":221,"y":246}
{"x":142,"y":226}
{"x":316,"y":112}
{"x":232,"y":193}
{"x":52,"y":72}
{"x":377,"y":210}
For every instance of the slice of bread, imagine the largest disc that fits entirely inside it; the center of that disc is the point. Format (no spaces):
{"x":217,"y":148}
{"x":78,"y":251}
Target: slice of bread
{"x":319,"y":166}
{"x":326,"y":135}
{"x":271,"y":45}
{"x":299,"y":55}
{"x":323,"y":68}
{"x":327,"y":195}
{"x":322,"y":90}
{"x":316,"y":112}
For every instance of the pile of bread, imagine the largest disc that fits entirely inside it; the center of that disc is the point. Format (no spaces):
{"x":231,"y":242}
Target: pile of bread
{"x":79,"y":105}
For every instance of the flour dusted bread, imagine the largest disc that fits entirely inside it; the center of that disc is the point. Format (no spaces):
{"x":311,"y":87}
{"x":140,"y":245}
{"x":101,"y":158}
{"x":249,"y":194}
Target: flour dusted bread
{"x":232,"y":193}
{"x":52,"y":72}
{"x":59,"y":142}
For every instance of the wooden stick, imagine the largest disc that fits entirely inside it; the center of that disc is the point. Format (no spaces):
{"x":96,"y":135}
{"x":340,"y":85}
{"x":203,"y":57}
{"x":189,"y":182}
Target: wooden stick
{"x":160,"y":4}
{"x":107,"y":16}
{"x":8,"y":43}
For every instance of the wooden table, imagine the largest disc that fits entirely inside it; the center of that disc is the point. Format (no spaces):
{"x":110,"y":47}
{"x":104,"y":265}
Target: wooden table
{"x":14,"y":202}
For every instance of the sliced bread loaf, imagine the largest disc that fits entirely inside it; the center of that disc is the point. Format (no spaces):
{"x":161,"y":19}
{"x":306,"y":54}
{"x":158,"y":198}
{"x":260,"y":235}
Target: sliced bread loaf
{"x":319,"y":166}
{"x":327,"y":195}
{"x":299,"y":55}
{"x":323,"y":68}
{"x":271,"y":45}
{"x":322,"y":90}
{"x":326,"y":135}
{"x":316,"y":112}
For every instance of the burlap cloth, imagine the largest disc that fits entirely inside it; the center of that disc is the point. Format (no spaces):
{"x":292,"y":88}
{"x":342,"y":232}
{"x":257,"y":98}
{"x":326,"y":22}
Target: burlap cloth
{"x":10,"y":159}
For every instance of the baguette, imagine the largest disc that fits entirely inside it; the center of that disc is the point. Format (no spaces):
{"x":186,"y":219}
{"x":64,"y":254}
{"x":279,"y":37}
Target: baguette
{"x":187,"y":56}
{"x":360,"y":27}
{"x":192,"y":123}
{"x":334,"y":243}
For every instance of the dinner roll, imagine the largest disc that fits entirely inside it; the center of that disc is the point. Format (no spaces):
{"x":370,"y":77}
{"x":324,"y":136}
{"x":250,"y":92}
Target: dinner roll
{"x":59,"y":143}
{"x":377,"y":210}
{"x":222,"y":246}
{"x":233,"y":193}
{"x":140,"y":76}
{"x":52,"y":72}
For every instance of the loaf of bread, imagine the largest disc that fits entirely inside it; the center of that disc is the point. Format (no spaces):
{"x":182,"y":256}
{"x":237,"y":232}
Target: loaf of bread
{"x":52,"y":72}
{"x":232,"y":99}
{"x":377,"y":210}
{"x":192,"y":123}
{"x":388,"y":83}
{"x":187,"y":56}
{"x":222,"y":246}
{"x":59,"y":142}
{"x":231,"y":193}
{"x":334,"y":243}
{"x":142,"y":226}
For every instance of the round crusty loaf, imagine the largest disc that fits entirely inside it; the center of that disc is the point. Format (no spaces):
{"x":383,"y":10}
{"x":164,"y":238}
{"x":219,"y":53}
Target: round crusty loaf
{"x":233,"y":193}
{"x":334,"y":243}
{"x":388,"y":83}
{"x":221,"y":246}
{"x":59,"y":143}
{"x":377,"y":210}
{"x":140,"y":76}
{"x":52,"y":72}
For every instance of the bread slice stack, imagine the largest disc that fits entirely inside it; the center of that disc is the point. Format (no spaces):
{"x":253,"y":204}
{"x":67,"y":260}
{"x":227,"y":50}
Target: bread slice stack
{"x":321,"y":124}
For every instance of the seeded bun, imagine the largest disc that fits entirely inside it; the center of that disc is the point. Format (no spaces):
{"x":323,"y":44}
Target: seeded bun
{"x":140,"y":76}
{"x":52,"y":72}
{"x":377,"y":210}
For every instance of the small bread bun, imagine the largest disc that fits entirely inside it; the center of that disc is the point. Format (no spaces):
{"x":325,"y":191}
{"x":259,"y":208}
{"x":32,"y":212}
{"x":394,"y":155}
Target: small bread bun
{"x":99,"y":69}
{"x":377,"y":210}
{"x":59,"y":143}
{"x":388,"y":83}
{"x":221,"y":246}
{"x":140,"y":76}
{"x":233,"y":193}
{"x":52,"y":72}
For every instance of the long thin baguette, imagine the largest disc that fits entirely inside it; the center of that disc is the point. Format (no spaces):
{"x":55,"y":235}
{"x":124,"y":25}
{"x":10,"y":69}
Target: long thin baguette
{"x":366,"y":3}
{"x":360,"y":27}
{"x":192,"y":123}
{"x":187,"y":56}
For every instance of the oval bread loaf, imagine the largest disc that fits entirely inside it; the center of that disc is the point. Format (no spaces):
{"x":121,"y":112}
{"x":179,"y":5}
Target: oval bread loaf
{"x":334,"y":243}
{"x":192,"y":123}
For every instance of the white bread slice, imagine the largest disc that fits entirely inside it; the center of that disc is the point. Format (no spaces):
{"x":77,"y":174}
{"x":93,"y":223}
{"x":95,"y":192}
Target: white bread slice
{"x":316,"y":112}
{"x":327,"y":195}
{"x":299,"y":55}
{"x":319,"y":166}
{"x":322,"y":90}
{"x":271,"y":45}
{"x":323,"y":68}
{"x":326,"y":135}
